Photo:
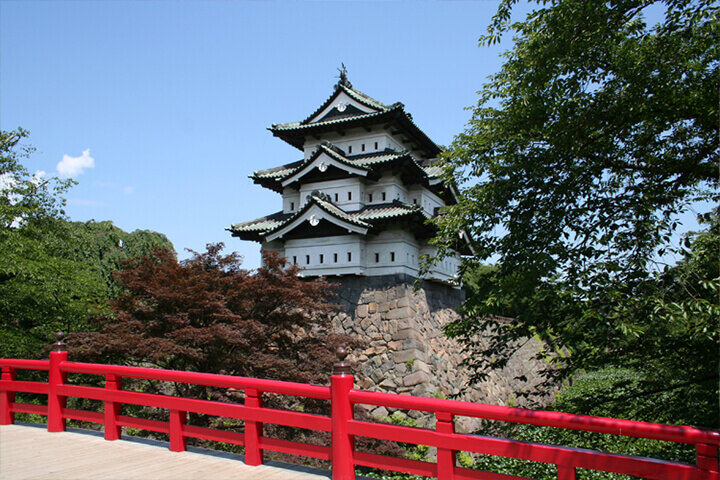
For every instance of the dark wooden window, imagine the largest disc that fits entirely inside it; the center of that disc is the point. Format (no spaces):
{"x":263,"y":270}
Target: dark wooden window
{"x":349,"y":256}
{"x":383,"y":196}
{"x":362,"y":147}
{"x":349,"y":148}
{"x":322,"y":258}
{"x":349,"y":195}
{"x":307,"y":259}
{"x":375,"y":145}
{"x":292,"y":206}
{"x":377,"y":258}
{"x":392,"y":256}
{"x":335,"y":257}
{"x":336,"y":197}
{"x":370,"y":197}
{"x":294,"y":259}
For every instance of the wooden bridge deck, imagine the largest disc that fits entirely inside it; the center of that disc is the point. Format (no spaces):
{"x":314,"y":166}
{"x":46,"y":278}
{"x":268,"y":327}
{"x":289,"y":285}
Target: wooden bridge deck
{"x":28,"y":452}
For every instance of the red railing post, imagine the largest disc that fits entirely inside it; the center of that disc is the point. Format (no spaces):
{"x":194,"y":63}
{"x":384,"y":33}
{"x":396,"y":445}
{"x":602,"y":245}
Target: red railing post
{"x":565,"y":472}
{"x":113,"y":383}
{"x":178,"y":442}
{"x":707,"y":457}
{"x":341,"y":382}
{"x":7,"y":416}
{"x":253,"y":430}
{"x":445,"y":457}
{"x":56,"y":403}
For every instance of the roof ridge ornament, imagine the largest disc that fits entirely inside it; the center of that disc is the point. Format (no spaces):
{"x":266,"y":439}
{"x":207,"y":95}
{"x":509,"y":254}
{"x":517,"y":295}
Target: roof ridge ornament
{"x":343,"y":77}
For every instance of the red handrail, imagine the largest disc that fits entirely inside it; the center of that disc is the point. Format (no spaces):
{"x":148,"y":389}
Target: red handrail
{"x":629,"y":428}
{"x":341,"y":424}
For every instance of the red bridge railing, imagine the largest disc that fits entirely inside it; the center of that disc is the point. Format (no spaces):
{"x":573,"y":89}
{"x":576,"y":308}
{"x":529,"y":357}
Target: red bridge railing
{"x":341,"y":424}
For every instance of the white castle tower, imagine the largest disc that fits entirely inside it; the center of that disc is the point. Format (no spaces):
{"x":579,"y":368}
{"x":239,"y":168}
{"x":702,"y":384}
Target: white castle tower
{"x":357,"y":202}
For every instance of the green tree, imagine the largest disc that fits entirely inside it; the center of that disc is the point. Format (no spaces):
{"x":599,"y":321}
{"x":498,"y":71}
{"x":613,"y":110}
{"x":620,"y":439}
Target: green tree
{"x":598,"y":132}
{"x":54,"y":274}
{"x":39,"y":292}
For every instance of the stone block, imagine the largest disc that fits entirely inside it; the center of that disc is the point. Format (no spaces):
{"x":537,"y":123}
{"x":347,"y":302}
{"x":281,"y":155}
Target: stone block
{"x":380,"y":412}
{"x":408,"y":333}
{"x":419,"y":365}
{"x":362,"y":311}
{"x":365,"y":323}
{"x":394,"y":345}
{"x":405,"y":355}
{"x":397,"y":313}
{"x":372,"y":307}
{"x":415,"y":378}
{"x":388,"y":383}
{"x":403,"y":302}
{"x":413,"y":343}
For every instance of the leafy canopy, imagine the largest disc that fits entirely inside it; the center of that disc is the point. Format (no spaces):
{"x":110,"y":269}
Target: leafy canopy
{"x":207,"y":314}
{"x":598,"y":132}
{"x":54,"y":274}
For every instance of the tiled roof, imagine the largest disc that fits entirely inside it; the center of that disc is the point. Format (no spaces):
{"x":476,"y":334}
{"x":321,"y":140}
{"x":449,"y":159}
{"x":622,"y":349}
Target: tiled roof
{"x":367,"y":160}
{"x":386,"y":211}
{"x":364,"y":99}
{"x":363,"y":218}
{"x":262,"y":224}
{"x":279,"y":127}
{"x":433,"y":171}
{"x":277,"y":172}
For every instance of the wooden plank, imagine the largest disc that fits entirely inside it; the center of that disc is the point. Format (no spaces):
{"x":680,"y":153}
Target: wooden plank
{"x":33,"y":453}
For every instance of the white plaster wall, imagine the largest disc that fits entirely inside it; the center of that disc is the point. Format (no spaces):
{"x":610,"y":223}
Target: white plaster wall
{"x":379,"y":259}
{"x":341,"y":188}
{"x":445,"y":270}
{"x":356,"y":140}
{"x":418,"y":195}
{"x":390,"y":185}
{"x":298,"y":251}
{"x":275,"y":246}
{"x":291,"y":200}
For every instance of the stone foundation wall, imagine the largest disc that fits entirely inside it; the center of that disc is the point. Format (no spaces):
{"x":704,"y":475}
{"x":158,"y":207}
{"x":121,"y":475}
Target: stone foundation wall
{"x":406,"y":351}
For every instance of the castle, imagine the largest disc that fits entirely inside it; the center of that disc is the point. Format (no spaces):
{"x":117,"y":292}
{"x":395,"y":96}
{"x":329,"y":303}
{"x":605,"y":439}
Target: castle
{"x":355,"y":210}
{"x":358,"y":200}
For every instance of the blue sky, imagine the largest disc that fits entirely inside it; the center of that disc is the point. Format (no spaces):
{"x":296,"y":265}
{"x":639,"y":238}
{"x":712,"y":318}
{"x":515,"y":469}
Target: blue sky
{"x":172,"y":99}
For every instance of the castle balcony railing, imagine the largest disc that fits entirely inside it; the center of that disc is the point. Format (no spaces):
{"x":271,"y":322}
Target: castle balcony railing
{"x":341,"y":425}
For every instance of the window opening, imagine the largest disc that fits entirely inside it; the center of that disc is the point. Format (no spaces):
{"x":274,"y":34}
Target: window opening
{"x":295,"y":260}
{"x":377,"y":257}
{"x":370,"y":197}
{"x":336,"y":197}
{"x":362,"y":147}
{"x":349,"y":195}
{"x":383,"y":196}
{"x":349,"y":148}
{"x":392,"y":256}
{"x":307,"y":259}
{"x":349,"y":256}
{"x":322,"y":258}
{"x":292,"y":206}
{"x":375,"y":145}
{"x":335,"y":257}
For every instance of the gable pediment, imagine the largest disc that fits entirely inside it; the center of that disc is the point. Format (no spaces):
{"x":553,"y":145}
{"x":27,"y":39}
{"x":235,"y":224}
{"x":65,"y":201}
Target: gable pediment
{"x":313,"y":217}
{"x":341,"y":105}
{"x":320,"y":163}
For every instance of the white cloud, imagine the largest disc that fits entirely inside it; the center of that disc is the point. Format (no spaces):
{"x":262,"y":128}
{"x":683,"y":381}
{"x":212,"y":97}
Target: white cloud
{"x":128,"y":190}
{"x":74,"y":166}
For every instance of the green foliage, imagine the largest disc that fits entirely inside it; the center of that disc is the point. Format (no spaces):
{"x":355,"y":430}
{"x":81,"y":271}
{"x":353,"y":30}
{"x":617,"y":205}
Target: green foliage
{"x":600,"y":393}
{"x":599,"y":131}
{"x":54,"y":274}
